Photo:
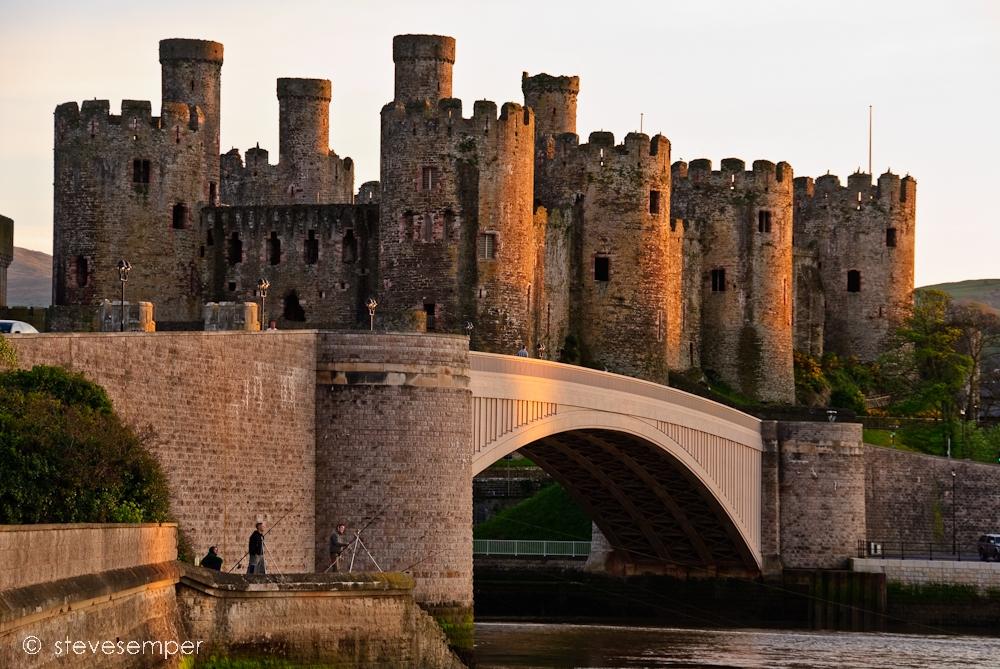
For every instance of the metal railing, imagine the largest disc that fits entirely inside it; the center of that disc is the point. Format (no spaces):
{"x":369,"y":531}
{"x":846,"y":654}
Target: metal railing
{"x":530,"y":548}
{"x":915,"y":550}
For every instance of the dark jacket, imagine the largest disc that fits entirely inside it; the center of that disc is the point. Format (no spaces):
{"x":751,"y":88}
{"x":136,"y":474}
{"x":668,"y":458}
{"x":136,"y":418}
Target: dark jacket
{"x":212,"y":561}
{"x":256,"y":543}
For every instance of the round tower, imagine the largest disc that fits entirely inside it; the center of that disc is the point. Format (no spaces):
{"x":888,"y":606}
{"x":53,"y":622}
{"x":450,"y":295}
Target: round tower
{"x":423,"y":67}
{"x":192,"y":74}
{"x":629,"y":315}
{"x":553,"y":100}
{"x":303,"y":119}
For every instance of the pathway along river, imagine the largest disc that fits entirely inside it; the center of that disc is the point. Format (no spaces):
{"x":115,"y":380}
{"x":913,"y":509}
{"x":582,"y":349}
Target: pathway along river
{"x":510,"y":645}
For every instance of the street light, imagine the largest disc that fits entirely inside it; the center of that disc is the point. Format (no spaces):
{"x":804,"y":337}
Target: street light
{"x":965,"y":436}
{"x":123,"y":269}
{"x":372,"y":305}
{"x":262,"y":287}
{"x":954,"y":533}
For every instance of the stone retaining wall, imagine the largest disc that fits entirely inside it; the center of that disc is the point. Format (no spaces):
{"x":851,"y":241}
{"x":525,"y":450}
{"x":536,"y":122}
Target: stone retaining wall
{"x":984,"y":576}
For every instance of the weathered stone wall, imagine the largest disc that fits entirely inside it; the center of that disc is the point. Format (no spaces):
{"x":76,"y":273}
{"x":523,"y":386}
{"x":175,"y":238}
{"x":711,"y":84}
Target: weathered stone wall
{"x":360,"y":620}
{"x":821,"y":489}
{"x":745,"y":223}
{"x":809,"y":304}
{"x":86,"y":582}
{"x":913,"y":498}
{"x":392,"y":448}
{"x":864,"y":228}
{"x":43,"y":553}
{"x":983,"y":576}
{"x":553,"y":100}
{"x":319,"y":260}
{"x":233,"y":415}
{"x":6,"y":255}
{"x":447,"y":183}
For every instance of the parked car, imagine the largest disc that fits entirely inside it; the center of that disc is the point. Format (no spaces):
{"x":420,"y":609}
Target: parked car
{"x":16,"y":327}
{"x":989,"y":547}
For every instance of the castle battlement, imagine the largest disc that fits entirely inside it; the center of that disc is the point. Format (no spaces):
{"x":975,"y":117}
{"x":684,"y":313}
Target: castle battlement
{"x":422,"y":117}
{"x":732,"y":175}
{"x":325,"y":218}
{"x":890,"y":191}
{"x":190,"y":50}
{"x":95,"y":116}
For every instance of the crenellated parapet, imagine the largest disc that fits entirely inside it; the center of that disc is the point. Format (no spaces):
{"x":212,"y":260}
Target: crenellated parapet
{"x":741,"y":224}
{"x":423,"y":67}
{"x":860,"y":237}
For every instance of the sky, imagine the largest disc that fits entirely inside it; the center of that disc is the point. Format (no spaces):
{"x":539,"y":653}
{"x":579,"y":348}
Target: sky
{"x":778,"y":80}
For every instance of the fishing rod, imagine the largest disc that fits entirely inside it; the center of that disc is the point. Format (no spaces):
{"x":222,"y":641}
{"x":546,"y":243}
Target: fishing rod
{"x":273,"y":525}
{"x":357,"y":537}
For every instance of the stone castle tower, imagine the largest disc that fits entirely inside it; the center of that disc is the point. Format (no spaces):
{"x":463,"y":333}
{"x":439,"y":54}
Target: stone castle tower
{"x":500,"y":225}
{"x":6,"y":255}
{"x":456,"y":230}
{"x":741,"y":253}
{"x":855,"y":248}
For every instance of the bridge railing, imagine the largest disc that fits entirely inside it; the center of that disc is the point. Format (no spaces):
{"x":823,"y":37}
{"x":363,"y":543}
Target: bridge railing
{"x":530,"y":548}
{"x":916,"y":550}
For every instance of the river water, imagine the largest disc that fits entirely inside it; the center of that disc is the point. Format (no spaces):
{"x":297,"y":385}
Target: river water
{"x":524,"y":646}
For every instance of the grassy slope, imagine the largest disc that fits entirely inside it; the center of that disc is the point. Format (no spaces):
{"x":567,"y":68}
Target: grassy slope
{"x":984,"y":291}
{"x":549,"y":514}
{"x":29,"y":279}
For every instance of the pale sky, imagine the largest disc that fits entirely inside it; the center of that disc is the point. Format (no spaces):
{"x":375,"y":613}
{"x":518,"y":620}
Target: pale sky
{"x":781,"y":80}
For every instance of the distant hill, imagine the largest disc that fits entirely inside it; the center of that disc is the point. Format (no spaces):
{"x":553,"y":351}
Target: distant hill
{"x":983,"y":291}
{"x":29,"y":279}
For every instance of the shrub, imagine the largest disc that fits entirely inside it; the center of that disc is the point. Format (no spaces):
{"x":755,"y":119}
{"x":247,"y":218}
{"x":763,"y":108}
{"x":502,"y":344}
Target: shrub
{"x":68,"y":458}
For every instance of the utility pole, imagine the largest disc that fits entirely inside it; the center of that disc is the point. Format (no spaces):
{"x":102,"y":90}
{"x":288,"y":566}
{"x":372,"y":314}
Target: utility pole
{"x":869,"y":139}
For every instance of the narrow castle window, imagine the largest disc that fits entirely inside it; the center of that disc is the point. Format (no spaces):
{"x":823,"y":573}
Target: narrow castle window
{"x":291,"y":308}
{"x":890,"y":237}
{"x":312,"y":248}
{"x":654,"y":202}
{"x":407,"y":224}
{"x":427,"y":228}
{"x":274,"y":249}
{"x":429,"y":309}
{"x":235,"y":249}
{"x":349,"y":247}
{"x":487,"y":246}
{"x":854,"y":281}
{"x":180,"y":216}
{"x":429,"y":178}
{"x":763,"y":221}
{"x":602,"y":268}
{"x":211,"y":192}
{"x":210,"y":239}
{"x":82,"y":271}
{"x":140,"y":171}
{"x":719,"y":280}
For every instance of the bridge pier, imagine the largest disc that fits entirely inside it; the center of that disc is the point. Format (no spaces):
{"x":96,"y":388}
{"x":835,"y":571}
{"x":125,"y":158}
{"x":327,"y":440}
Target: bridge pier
{"x":392,"y":449}
{"x":812,"y":495}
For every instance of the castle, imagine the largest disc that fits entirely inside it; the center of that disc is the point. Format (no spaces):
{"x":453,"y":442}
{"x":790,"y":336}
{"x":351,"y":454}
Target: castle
{"x":501,"y":225}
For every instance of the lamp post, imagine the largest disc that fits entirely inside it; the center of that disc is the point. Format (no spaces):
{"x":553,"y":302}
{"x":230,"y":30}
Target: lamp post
{"x":954,"y":532}
{"x":892,"y":435}
{"x":262,"y":287}
{"x":123,"y":269}
{"x":965,"y":436}
{"x":372,"y":305}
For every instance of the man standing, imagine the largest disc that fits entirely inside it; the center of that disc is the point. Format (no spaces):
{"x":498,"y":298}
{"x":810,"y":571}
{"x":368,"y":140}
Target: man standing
{"x":256,"y":564}
{"x":338,"y":544}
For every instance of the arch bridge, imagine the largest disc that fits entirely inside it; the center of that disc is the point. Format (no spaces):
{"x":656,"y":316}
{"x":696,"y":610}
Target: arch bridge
{"x":672,"y":480}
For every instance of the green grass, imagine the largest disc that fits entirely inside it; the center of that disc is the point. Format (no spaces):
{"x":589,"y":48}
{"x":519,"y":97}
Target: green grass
{"x":970,"y":443}
{"x":550,"y":514}
{"x":984,"y":291}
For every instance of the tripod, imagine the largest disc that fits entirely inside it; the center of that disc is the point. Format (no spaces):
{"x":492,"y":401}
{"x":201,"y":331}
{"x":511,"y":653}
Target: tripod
{"x":353,"y":549}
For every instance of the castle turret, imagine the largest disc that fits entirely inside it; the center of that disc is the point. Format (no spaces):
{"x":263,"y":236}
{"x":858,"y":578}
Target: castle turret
{"x":553,"y":100}
{"x":423,"y":67}
{"x":861,"y":239}
{"x":191,"y":72}
{"x":303,"y":119}
{"x":744,"y":222}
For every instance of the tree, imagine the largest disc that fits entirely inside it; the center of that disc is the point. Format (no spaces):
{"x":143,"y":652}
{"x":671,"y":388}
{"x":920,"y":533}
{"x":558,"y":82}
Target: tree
{"x":68,"y":458}
{"x":979,"y":328}
{"x":924,"y":370}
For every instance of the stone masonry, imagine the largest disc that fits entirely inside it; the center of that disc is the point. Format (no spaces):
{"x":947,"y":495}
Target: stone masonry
{"x":500,"y":225}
